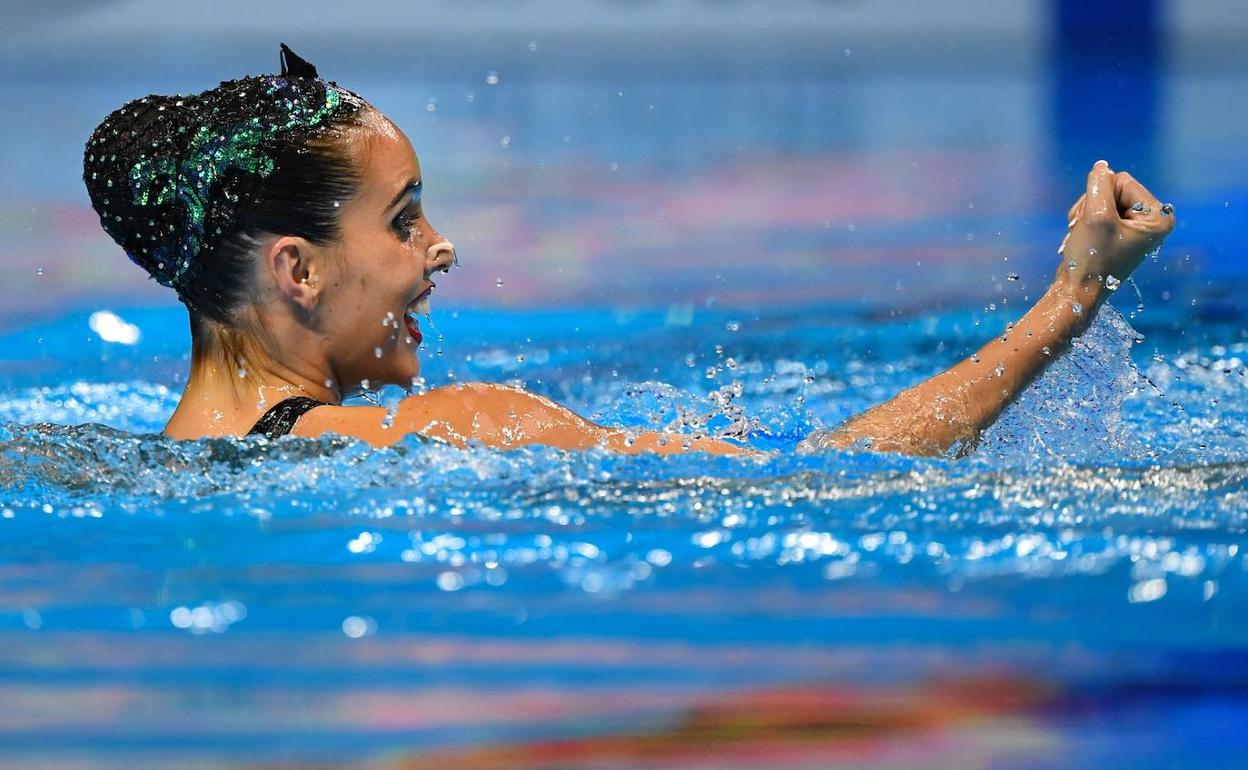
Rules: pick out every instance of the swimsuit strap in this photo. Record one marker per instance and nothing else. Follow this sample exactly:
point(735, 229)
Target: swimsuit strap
point(279, 420)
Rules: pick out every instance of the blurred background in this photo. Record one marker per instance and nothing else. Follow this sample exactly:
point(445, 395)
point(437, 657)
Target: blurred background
point(651, 152)
point(660, 206)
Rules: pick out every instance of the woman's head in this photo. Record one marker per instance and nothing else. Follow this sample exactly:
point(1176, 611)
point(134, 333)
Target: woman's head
point(245, 200)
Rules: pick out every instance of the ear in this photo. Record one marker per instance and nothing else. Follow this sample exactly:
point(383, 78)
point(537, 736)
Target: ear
point(295, 265)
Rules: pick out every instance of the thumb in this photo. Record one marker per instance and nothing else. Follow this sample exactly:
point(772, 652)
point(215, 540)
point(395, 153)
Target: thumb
point(1100, 201)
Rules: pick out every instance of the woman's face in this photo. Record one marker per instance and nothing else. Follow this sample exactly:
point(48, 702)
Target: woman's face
point(378, 274)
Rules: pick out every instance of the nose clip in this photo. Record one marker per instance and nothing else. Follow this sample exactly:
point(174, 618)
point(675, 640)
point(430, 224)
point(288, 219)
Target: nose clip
point(436, 251)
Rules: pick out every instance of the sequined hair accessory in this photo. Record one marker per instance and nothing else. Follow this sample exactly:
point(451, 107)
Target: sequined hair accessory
point(171, 176)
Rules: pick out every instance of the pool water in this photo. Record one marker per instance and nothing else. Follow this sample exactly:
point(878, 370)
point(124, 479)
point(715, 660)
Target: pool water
point(760, 252)
point(1072, 588)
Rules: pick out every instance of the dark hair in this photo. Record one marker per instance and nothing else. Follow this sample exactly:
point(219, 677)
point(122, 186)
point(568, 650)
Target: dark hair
point(186, 185)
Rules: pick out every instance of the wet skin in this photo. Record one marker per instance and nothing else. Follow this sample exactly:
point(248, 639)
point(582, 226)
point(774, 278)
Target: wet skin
point(335, 318)
point(1112, 227)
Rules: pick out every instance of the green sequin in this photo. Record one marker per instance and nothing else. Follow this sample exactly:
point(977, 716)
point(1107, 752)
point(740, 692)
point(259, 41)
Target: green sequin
point(211, 154)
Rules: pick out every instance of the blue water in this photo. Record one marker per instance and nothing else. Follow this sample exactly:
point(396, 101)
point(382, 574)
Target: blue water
point(201, 601)
point(764, 249)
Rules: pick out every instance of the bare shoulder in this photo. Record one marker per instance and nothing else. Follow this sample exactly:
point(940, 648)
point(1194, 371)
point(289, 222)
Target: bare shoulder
point(498, 415)
point(494, 413)
point(444, 413)
point(366, 422)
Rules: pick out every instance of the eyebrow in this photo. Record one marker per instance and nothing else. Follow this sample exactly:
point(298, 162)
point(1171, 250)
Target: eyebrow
point(413, 186)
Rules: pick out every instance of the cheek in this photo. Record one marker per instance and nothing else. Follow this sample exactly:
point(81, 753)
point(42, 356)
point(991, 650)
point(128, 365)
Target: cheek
point(367, 302)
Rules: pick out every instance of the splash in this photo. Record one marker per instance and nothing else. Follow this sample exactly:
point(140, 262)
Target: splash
point(1074, 410)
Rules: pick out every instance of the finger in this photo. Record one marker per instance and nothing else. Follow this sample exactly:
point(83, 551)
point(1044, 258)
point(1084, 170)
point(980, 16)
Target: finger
point(1133, 200)
point(1075, 213)
point(1141, 206)
point(1100, 193)
point(1075, 210)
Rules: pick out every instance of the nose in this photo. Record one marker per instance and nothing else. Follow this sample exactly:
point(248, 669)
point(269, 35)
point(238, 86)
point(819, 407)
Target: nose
point(439, 256)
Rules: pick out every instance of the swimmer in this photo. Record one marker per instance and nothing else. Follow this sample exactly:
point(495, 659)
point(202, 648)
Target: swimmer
point(286, 213)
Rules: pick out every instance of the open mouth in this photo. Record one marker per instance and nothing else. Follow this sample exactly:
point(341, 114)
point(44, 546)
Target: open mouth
point(417, 307)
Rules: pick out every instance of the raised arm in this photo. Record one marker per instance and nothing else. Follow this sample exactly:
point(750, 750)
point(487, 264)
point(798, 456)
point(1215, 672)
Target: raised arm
point(1112, 227)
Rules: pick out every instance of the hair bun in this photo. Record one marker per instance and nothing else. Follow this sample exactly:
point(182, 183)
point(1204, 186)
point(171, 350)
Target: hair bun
point(145, 131)
point(171, 176)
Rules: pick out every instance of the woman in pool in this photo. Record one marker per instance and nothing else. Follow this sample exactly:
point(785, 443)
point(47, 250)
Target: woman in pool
point(286, 213)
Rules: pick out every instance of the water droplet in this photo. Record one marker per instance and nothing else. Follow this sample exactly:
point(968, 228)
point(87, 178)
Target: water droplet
point(336, 204)
point(491, 78)
point(498, 282)
point(975, 357)
point(356, 627)
point(1071, 265)
point(38, 271)
point(377, 352)
point(1076, 308)
point(1112, 283)
point(505, 141)
point(1045, 350)
point(1012, 276)
point(733, 326)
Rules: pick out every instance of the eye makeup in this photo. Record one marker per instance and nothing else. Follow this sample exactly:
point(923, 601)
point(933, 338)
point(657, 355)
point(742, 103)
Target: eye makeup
point(402, 223)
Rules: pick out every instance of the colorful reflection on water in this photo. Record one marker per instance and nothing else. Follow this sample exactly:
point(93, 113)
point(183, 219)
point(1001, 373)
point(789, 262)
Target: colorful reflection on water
point(687, 253)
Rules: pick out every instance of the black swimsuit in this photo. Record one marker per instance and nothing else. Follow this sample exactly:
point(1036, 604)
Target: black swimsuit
point(279, 420)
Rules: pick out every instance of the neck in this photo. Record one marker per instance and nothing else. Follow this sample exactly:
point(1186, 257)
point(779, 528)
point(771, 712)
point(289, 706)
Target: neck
point(235, 379)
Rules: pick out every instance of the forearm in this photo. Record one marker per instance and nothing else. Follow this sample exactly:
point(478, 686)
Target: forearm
point(993, 377)
point(1111, 228)
point(953, 407)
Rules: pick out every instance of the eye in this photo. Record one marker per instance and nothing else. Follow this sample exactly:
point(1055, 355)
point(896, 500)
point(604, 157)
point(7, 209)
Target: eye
point(402, 224)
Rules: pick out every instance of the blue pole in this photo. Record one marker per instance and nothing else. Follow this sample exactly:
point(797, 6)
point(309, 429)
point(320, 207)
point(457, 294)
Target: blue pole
point(1106, 65)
